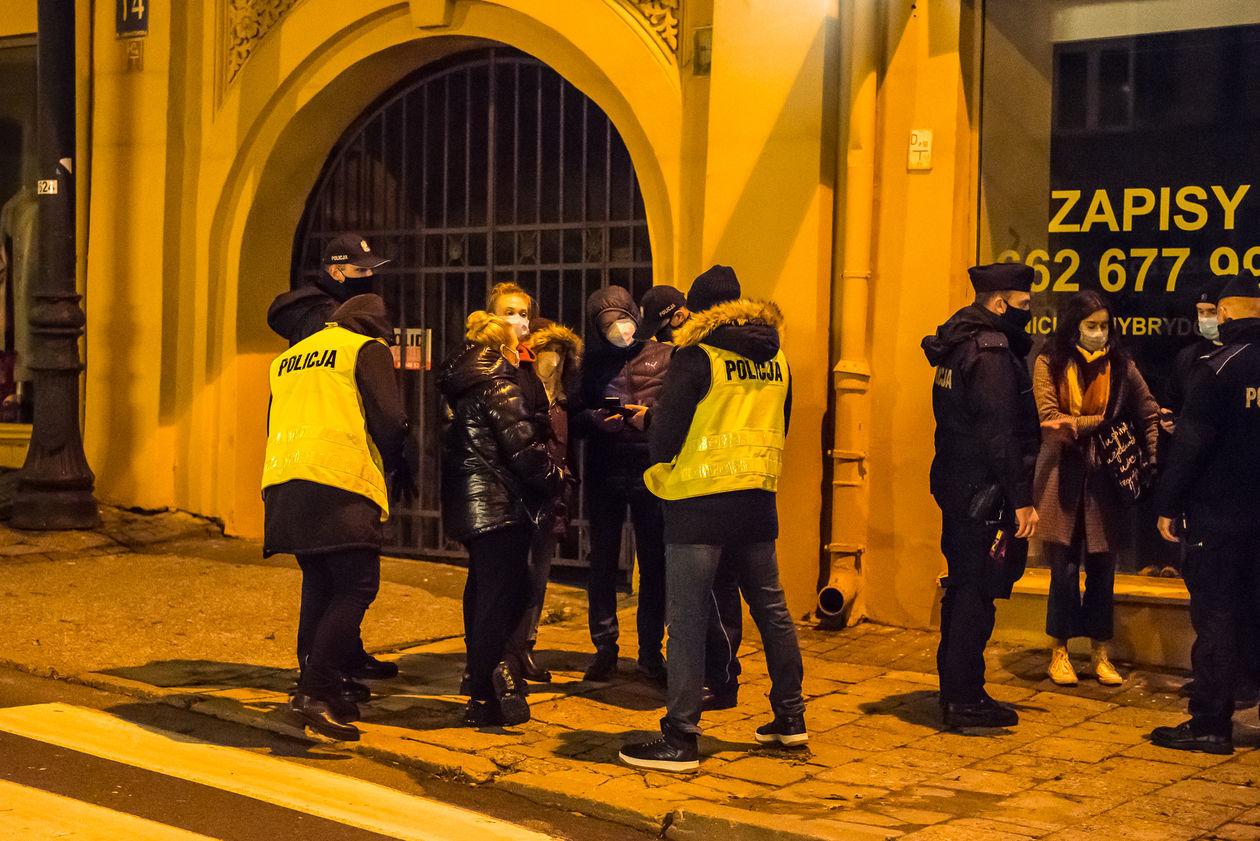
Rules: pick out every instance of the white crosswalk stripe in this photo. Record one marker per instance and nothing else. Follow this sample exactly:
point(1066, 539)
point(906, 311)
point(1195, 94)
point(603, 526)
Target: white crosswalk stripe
point(312, 791)
point(34, 815)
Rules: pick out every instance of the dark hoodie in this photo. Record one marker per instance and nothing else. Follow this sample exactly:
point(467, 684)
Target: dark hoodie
point(304, 311)
point(751, 329)
point(987, 430)
point(496, 471)
point(632, 375)
point(302, 517)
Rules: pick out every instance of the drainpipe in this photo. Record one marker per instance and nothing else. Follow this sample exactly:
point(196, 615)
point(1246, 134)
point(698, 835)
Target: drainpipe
point(839, 599)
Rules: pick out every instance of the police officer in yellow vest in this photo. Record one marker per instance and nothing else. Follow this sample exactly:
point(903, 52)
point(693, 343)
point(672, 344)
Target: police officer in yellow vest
point(717, 436)
point(336, 429)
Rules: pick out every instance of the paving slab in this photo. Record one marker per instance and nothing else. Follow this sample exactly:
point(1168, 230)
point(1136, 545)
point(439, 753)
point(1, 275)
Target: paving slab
point(162, 608)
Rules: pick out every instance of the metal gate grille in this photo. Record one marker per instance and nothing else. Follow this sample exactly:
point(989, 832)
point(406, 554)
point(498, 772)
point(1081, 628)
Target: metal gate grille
point(488, 167)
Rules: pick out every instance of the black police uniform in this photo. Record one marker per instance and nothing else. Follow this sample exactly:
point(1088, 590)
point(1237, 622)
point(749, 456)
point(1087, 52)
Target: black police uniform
point(987, 438)
point(1211, 478)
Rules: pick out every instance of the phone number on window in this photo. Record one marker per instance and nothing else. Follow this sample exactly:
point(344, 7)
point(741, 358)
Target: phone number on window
point(1119, 269)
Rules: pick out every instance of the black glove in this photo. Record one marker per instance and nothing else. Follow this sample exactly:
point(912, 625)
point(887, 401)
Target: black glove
point(404, 485)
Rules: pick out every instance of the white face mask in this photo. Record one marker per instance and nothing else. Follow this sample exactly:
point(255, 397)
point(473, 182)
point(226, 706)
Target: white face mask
point(1093, 339)
point(1210, 328)
point(520, 324)
point(546, 363)
point(621, 332)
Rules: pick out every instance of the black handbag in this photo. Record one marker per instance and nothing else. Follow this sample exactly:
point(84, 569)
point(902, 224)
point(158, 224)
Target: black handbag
point(1121, 457)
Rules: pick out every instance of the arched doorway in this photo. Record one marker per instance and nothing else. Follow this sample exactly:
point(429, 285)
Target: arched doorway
point(486, 167)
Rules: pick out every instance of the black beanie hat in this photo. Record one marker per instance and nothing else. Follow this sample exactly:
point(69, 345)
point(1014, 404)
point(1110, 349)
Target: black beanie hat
point(1001, 277)
point(1240, 286)
point(716, 286)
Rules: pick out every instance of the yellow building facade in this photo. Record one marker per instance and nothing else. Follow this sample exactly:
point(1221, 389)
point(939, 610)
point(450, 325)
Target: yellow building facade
point(829, 150)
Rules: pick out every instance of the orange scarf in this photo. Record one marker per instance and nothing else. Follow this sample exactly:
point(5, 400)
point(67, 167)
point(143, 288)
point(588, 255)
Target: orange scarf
point(1086, 387)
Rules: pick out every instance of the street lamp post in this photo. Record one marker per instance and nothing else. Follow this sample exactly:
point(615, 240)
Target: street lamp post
point(55, 484)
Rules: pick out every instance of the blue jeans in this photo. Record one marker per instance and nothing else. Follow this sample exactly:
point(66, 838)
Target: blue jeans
point(690, 571)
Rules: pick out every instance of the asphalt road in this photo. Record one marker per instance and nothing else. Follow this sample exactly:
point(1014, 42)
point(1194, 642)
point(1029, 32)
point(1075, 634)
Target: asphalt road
point(84, 764)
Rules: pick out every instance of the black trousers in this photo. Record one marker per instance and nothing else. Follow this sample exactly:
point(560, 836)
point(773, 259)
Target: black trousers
point(1068, 613)
point(726, 631)
point(337, 589)
point(967, 611)
point(606, 510)
point(1223, 577)
point(495, 596)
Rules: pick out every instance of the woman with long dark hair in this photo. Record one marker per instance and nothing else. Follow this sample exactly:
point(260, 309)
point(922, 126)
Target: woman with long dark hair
point(1083, 379)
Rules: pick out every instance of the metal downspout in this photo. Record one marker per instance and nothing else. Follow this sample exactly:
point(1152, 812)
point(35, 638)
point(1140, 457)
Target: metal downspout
point(840, 599)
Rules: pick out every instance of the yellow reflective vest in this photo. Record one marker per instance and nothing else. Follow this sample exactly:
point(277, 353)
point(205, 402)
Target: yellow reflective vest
point(316, 427)
point(737, 434)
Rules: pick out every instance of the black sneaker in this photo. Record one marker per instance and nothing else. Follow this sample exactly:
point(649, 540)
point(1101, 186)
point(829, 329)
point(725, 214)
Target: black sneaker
point(1182, 737)
point(604, 666)
point(662, 755)
point(372, 669)
point(984, 713)
point(786, 730)
point(719, 699)
point(513, 708)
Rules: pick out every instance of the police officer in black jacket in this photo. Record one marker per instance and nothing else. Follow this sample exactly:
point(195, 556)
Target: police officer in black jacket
point(987, 437)
point(1211, 480)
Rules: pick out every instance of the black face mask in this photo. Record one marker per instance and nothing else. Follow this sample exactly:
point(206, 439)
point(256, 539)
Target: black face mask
point(357, 286)
point(344, 290)
point(1016, 318)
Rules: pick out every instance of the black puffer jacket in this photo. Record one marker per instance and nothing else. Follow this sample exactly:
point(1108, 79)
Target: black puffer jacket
point(633, 375)
point(495, 466)
point(302, 517)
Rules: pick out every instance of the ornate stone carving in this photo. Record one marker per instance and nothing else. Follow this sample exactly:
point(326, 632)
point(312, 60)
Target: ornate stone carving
point(248, 21)
point(662, 19)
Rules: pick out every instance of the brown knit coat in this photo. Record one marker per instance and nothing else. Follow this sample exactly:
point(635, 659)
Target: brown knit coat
point(1069, 476)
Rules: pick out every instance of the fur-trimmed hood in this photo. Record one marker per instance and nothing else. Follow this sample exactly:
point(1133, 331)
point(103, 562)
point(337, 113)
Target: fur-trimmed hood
point(747, 326)
point(557, 337)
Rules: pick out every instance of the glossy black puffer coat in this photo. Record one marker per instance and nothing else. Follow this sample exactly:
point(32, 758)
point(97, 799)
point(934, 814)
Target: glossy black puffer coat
point(495, 465)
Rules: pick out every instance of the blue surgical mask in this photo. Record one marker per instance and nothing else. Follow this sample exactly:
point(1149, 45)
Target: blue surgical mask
point(1210, 328)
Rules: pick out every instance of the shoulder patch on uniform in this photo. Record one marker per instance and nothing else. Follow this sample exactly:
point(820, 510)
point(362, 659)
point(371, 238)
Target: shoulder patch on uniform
point(992, 340)
point(1219, 358)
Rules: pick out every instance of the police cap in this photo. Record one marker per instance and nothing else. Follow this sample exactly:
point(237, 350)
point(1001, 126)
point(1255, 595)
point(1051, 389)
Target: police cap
point(1001, 277)
point(1240, 286)
point(351, 249)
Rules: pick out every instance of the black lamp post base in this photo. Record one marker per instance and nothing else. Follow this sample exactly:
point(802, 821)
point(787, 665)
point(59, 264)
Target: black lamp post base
point(58, 510)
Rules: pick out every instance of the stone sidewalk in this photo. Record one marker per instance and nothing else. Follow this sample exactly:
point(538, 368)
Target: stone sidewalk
point(878, 765)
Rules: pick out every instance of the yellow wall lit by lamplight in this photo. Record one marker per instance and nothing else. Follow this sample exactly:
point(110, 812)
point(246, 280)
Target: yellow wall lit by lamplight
point(198, 181)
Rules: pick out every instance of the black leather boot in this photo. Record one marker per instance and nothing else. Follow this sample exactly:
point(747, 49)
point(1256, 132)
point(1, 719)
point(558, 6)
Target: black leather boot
point(321, 717)
point(530, 670)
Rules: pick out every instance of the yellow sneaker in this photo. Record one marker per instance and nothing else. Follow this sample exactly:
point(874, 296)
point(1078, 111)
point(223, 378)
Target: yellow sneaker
point(1100, 665)
point(1061, 671)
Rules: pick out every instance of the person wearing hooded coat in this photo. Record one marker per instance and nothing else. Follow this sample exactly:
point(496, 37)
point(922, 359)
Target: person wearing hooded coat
point(620, 369)
point(987, 440)
point(717, 439)
point(497, 481)
point(557, 352)
point(336, 428)
point(348, 266)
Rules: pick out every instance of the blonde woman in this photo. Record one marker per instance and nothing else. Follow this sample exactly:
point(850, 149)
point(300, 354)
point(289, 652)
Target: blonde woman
point(497, 478)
